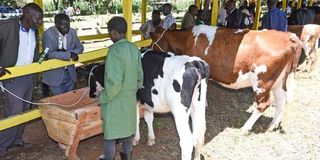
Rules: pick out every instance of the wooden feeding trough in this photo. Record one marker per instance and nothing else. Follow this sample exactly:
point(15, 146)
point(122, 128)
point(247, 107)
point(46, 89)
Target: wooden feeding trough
point(69, 125)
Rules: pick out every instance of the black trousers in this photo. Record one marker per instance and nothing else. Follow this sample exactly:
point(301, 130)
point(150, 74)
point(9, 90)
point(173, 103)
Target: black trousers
point(22, 87)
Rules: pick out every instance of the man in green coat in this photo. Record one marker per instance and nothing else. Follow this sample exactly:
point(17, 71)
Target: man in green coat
point(123, 77)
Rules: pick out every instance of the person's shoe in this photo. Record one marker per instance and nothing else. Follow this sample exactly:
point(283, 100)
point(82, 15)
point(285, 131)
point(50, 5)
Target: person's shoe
point(101, 157)
point(22, 145)
point(125, 156)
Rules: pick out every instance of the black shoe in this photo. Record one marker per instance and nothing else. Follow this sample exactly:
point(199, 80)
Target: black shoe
point(22, 145)
point(125, 156)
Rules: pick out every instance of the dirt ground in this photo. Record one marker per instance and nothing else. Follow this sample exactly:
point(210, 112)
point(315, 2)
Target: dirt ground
point(227, 112)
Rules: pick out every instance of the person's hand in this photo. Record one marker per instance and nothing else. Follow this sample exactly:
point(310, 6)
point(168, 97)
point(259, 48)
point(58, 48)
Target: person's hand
point(74, 56)
point(3, 71)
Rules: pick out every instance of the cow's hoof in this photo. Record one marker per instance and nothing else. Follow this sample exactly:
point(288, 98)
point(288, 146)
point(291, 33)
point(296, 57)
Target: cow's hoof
point(244, 131)
point(272, 128)
point(135, 142)
point(151, 142)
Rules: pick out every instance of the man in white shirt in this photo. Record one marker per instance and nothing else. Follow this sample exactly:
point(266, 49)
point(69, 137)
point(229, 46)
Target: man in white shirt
point(169, 21)
point(18, 48)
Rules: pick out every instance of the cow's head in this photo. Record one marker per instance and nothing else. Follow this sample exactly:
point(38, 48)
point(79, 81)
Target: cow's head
point(158, 39)
point(96, 80)
point(94, 73)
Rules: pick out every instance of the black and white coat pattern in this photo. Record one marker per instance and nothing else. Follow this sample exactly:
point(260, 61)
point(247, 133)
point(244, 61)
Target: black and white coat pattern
point(176, 84)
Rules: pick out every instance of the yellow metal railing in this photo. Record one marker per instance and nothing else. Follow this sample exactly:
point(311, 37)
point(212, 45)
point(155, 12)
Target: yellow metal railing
point(44, 66)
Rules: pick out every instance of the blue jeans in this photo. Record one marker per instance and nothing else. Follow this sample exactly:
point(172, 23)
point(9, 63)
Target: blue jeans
point(66, 85)
point(109, 147)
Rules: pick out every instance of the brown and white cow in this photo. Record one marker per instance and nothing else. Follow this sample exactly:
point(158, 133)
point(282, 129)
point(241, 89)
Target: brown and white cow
point(241, 58)
point(309, 35)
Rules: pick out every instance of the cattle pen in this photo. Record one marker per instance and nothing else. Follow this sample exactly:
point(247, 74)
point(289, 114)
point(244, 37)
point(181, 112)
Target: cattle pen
point(98, 55)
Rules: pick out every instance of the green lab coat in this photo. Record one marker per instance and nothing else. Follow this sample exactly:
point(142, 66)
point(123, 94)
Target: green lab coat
point(123, 76)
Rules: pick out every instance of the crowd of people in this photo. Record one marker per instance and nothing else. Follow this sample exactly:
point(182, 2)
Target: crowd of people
point(21, 48)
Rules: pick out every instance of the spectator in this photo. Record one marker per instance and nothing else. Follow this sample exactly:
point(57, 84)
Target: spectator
point(188, 19)
point(19, 46)
point(235, 17)
point(78, 11)
point(201, 17)
point(169, 22)
point(222, 14)
point(275, 18)
point(63, 44)
point(150, 25)
point(123, 77)
point(70, 11)
point(304, 15)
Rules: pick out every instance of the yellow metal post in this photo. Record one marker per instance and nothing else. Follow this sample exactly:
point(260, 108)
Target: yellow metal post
point(127, 14)
point(311, 3)
point(299, 4)
point(284, 5)
point(143, 14)
point(198, 3)
point(214, 14)
point(41, 29)
point(257, 17)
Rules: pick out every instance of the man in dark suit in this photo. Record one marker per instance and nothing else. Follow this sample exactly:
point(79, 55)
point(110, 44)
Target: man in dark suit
point(63, 44)
point(18, 47)
point(235, 17)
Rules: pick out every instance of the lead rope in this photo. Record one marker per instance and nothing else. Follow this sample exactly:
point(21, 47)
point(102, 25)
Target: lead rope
point(57, 104)
point(156, 43)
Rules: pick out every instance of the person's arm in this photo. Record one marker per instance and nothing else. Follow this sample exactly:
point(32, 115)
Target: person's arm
point(78, 48)
point(143, 29)
point(113, 77)
point(54, 54)
point(140, 71)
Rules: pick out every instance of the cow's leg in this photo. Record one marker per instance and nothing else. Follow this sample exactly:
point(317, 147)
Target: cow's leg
point(148, 117)
point(250, 122)
point(199, 119)
point(136, 138)
point(280, 98)
point(181, 119)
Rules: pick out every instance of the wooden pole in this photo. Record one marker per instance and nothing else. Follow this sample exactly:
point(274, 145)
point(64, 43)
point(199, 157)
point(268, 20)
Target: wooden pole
point(127, 14)
point(257, 17)
point(214, 14)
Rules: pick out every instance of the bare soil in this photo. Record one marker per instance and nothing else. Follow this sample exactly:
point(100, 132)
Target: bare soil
point(227, 112)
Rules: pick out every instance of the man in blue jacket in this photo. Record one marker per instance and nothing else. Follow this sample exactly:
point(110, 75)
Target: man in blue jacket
point(275, 18)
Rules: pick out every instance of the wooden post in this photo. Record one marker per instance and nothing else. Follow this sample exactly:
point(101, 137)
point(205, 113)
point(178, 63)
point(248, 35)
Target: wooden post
point(41, 29)
point(214, 14)
point(284, 5)
point(127, 14)
point(257, 17)
point(143, 14)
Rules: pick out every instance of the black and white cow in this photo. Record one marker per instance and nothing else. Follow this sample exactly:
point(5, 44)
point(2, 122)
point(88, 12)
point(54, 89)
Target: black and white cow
point(172, 83)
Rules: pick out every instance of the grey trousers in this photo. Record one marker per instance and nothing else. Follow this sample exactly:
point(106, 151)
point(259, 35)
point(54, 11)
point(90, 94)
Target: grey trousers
point(109, 147)
point(22, 87)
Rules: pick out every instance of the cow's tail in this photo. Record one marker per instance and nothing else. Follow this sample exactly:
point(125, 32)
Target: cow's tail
point(199, 102)
point(296, 48)
point(291, 82)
